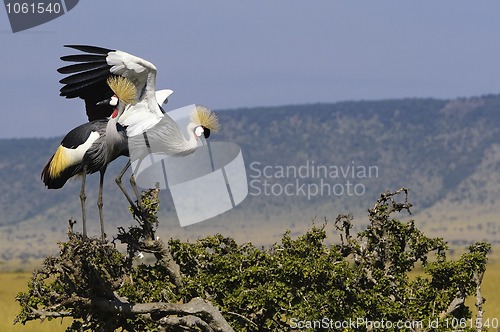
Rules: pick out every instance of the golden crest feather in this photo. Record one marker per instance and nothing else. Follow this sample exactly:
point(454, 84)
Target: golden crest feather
point(206, 118)
point(123, 88)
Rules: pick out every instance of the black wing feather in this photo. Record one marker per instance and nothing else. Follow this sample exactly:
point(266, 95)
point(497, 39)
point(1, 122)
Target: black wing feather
point(83, 58)
point(97, 111)
point(90, 49)
point(80, 67)
point(92, 94)
point(88, 79)
point(79, 135)
point(85, 76)
point(81, 89)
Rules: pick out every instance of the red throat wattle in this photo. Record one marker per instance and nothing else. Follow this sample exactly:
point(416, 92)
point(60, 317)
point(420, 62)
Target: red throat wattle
point(115, 114)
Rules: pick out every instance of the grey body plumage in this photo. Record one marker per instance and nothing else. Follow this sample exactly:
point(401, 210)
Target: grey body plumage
point(90, 147)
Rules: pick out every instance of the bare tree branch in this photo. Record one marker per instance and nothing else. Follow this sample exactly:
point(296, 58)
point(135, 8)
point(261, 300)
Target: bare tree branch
point(454, 305)
point(478, 279)
point(202, 309)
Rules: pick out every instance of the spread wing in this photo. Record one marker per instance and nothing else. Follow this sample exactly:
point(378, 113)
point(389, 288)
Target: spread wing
point(90, 69)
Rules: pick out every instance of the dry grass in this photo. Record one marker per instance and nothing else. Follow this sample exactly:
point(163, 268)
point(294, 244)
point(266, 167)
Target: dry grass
point(10, 285)
point(489, 290)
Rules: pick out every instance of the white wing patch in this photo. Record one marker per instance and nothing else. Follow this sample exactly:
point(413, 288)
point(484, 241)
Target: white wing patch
point(136, 123)
point(66, 157)
point(139, 117)
point(141, 72)
point(162, 96)
point(128, 65)
point(75, 156)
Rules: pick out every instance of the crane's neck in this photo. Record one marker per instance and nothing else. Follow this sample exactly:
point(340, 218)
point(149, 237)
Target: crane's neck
point(192, 137)
point(113, 137)
point(111, 128)
point(166, 138)
point(188, 146)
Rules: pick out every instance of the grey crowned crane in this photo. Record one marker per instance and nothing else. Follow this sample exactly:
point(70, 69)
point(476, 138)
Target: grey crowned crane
point(86, 81)
point(90, 147)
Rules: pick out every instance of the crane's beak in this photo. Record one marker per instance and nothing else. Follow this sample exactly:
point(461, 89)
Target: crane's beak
point(104, 102)
point(113, 101)
point(109, 102)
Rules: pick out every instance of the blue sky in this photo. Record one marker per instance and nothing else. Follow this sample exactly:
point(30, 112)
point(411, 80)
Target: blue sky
point(231, 54)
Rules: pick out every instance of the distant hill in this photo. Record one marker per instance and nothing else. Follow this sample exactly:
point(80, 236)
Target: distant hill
point(343, 155)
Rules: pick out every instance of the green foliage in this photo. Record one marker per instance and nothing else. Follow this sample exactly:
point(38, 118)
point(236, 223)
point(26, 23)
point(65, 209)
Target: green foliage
point(304, 279)
point(263, 288)
point(365, 276)
point(69, 282)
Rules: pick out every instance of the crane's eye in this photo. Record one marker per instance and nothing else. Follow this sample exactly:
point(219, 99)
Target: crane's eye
point(198, 131)
point(113, 101)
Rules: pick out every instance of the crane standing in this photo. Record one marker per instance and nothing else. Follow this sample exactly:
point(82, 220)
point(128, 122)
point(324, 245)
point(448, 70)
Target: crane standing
point(90, 147)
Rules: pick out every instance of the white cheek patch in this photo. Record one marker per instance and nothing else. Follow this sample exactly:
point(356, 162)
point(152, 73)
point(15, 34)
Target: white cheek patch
point(114, 101)
point(198, 131)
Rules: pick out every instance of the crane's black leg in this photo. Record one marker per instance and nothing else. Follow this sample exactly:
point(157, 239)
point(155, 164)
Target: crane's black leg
point(82, 200)
point(99, 202)
point(119, 182)
point(122, 188)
